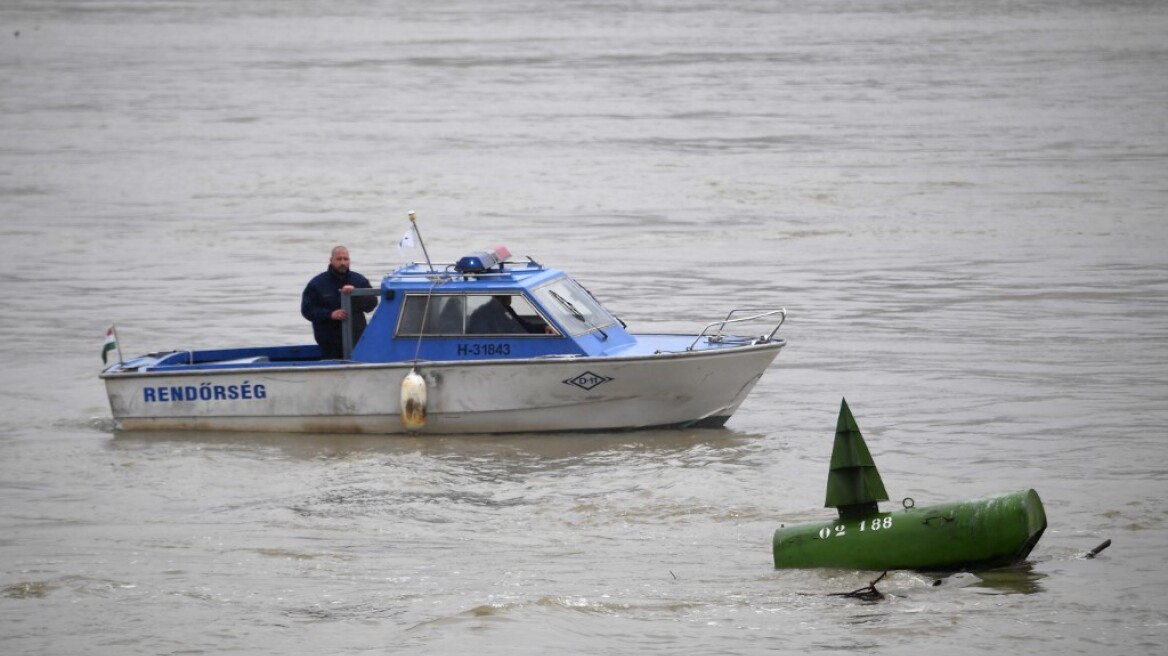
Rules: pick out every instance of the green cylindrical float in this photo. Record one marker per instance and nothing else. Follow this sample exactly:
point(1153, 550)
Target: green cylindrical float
point(974, 534)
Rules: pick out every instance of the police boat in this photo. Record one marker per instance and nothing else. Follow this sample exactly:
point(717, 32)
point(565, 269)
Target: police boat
point(480, 345)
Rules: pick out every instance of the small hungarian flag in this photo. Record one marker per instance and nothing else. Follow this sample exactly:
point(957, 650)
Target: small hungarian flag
point(111, 343)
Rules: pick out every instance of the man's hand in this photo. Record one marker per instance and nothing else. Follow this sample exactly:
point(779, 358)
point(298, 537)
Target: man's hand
point(338, 314)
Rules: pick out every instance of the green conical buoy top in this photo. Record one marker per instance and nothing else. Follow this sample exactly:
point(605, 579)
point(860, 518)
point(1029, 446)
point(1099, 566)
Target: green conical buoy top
point(853, 484)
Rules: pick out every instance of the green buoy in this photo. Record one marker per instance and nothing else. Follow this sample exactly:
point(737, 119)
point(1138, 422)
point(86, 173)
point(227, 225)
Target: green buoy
point(973, 534)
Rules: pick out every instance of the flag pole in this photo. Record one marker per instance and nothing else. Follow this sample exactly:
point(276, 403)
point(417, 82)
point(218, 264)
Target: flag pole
point(112, 333)
point(414, 225)
point(118, 343)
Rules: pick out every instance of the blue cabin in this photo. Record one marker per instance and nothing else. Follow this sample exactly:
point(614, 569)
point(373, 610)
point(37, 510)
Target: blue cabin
point(484, 307)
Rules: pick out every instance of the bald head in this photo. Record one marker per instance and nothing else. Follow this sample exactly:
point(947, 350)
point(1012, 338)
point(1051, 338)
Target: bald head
point(339, 259)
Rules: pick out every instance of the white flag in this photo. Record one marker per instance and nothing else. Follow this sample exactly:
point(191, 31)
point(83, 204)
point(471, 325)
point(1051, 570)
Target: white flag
point(406, 242)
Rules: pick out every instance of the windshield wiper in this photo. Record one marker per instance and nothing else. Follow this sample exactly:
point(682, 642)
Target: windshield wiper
point(568, 306)
point(579, 316)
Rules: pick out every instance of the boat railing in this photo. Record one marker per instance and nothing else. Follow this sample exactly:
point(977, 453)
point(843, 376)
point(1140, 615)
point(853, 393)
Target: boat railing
point(447, 270)
point(347, 324)
point(718, 336)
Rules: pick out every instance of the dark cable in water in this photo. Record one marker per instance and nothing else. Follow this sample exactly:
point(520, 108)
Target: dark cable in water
point(867, 593)
point(1095, 552)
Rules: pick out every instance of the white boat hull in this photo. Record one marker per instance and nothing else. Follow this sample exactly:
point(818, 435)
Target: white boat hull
point(702, 387)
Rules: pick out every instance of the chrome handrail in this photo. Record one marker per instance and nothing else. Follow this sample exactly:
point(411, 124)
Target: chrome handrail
point(762, 314)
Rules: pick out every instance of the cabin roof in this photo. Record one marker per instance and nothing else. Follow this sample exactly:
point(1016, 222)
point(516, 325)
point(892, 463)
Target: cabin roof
point(509, 275)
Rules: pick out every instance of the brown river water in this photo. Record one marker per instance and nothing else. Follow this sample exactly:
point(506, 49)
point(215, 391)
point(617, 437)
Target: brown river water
point(961, 205)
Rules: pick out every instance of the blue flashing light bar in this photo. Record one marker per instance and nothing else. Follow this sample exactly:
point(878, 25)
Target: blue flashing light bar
point(482, 261)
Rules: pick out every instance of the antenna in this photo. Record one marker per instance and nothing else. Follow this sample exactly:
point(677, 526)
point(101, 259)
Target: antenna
point(414, 225)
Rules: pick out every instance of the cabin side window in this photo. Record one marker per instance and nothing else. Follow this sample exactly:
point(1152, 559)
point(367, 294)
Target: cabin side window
point(450, 315)
point(504, 314)
point(432, 314)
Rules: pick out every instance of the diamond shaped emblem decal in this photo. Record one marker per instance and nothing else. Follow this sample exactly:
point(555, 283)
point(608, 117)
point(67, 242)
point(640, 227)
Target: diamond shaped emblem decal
point(588, 380)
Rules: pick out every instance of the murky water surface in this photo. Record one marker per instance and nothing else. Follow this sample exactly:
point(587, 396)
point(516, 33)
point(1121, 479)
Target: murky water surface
point(962, 206)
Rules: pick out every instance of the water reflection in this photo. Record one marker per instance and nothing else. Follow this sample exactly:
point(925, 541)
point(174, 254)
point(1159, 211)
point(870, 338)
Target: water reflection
point(1017, 579)
point(548, 448)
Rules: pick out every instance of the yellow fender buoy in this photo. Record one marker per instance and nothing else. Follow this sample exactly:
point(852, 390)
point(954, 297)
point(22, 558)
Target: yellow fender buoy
point(413, 401)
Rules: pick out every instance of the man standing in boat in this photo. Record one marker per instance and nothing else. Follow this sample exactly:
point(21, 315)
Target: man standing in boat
point(321, 303)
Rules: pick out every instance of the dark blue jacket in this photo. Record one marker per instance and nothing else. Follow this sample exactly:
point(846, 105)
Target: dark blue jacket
point(322, 296)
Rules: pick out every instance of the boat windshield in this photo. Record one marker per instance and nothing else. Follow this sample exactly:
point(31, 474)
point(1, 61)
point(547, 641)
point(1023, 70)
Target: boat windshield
point(573, 307)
